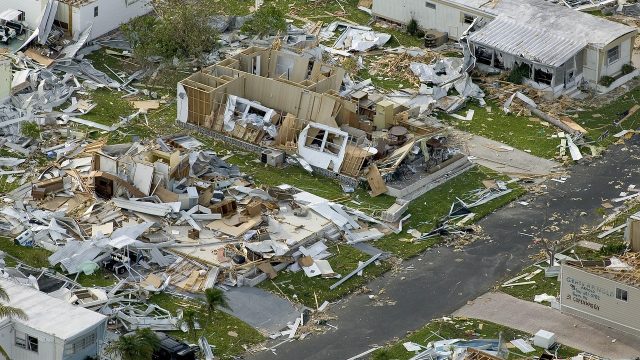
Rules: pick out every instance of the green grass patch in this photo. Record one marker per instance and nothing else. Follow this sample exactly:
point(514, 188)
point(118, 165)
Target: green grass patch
point(216, 327)
point(427, 210)
point(109, 107)
point(32, 256)
point(100, 278)
point(461, 328)
point(520, 132)
point(599, 120)
point(300, 288)
point(543, 285)
point(6, 186)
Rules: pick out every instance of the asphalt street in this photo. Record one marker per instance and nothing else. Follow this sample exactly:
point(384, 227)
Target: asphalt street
point(440, 281)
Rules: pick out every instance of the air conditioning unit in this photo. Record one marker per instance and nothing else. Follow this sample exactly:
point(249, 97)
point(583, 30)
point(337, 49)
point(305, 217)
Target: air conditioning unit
point(272, 157)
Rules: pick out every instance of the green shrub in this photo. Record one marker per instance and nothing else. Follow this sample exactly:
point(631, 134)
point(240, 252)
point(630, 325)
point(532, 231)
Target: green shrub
point(180, 29)
point(627, 69)
point(519, 73)
point(268, 20)
point(613, 249)
point(606, 81)
point(412, 27)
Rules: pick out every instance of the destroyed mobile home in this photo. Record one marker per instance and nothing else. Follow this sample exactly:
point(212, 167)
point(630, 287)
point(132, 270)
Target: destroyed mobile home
point(284, 105)
point(166, 215)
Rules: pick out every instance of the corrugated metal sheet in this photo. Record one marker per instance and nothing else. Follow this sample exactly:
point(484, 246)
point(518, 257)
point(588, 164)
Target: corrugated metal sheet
point(534, 44)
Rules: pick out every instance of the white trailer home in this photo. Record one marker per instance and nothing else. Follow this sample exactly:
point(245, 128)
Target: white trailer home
point(75, 16)
point(603, 292)
point(54, 330)
point(555, 47)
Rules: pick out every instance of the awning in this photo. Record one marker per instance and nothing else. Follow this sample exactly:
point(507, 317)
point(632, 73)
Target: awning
point(533, 44)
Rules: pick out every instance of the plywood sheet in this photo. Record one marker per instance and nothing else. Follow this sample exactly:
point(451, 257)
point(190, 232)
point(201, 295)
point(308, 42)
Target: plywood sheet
point(376, 182)
point(235, 231)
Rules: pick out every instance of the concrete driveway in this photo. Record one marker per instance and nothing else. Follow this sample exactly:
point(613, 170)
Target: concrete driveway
point(530, 317)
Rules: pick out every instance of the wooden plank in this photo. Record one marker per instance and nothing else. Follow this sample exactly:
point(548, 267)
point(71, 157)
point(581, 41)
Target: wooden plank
point(632, 111)
point(376, 182)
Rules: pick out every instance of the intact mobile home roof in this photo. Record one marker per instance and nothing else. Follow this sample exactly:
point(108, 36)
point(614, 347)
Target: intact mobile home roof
point(534, 44)
point(48, 314)
point(555, 19)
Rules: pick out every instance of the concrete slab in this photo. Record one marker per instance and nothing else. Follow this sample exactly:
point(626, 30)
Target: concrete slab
point(261, 309)
point(492, 154)
point(528, 316)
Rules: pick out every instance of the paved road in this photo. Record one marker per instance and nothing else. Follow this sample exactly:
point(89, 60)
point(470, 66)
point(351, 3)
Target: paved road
point(444, 281)
point(571, 331)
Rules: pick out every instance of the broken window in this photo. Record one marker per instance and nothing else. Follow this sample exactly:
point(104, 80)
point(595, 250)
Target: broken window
point(468, 19)
point(430, 5)
point(26, 342)
point(542, 76)
point(498, 60)
point(622, 294)
point(613, 55)
point(484, 55)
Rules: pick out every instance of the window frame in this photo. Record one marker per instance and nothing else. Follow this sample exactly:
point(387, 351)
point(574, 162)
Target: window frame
point(622, 295)
point(430, 5)
point(26, 341)
point(81, 343)
point(468, 18)
point(616, 50)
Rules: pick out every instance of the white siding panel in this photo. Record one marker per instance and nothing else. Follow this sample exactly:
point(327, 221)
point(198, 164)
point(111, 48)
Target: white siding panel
point(593, 297)
point(445, 18)
point(111, 14)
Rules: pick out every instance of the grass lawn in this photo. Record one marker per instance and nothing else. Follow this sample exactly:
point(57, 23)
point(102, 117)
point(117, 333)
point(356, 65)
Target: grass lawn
point(599, 120)
point(429, 208)
point(543, 285)
point(227, 333)
point(33, 256)
point(460, 328)
point(298, 287)
point(520, 132)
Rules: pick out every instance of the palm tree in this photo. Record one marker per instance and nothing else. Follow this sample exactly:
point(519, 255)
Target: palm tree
point(138, 345)
point(10, 312)
point(214, 298)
